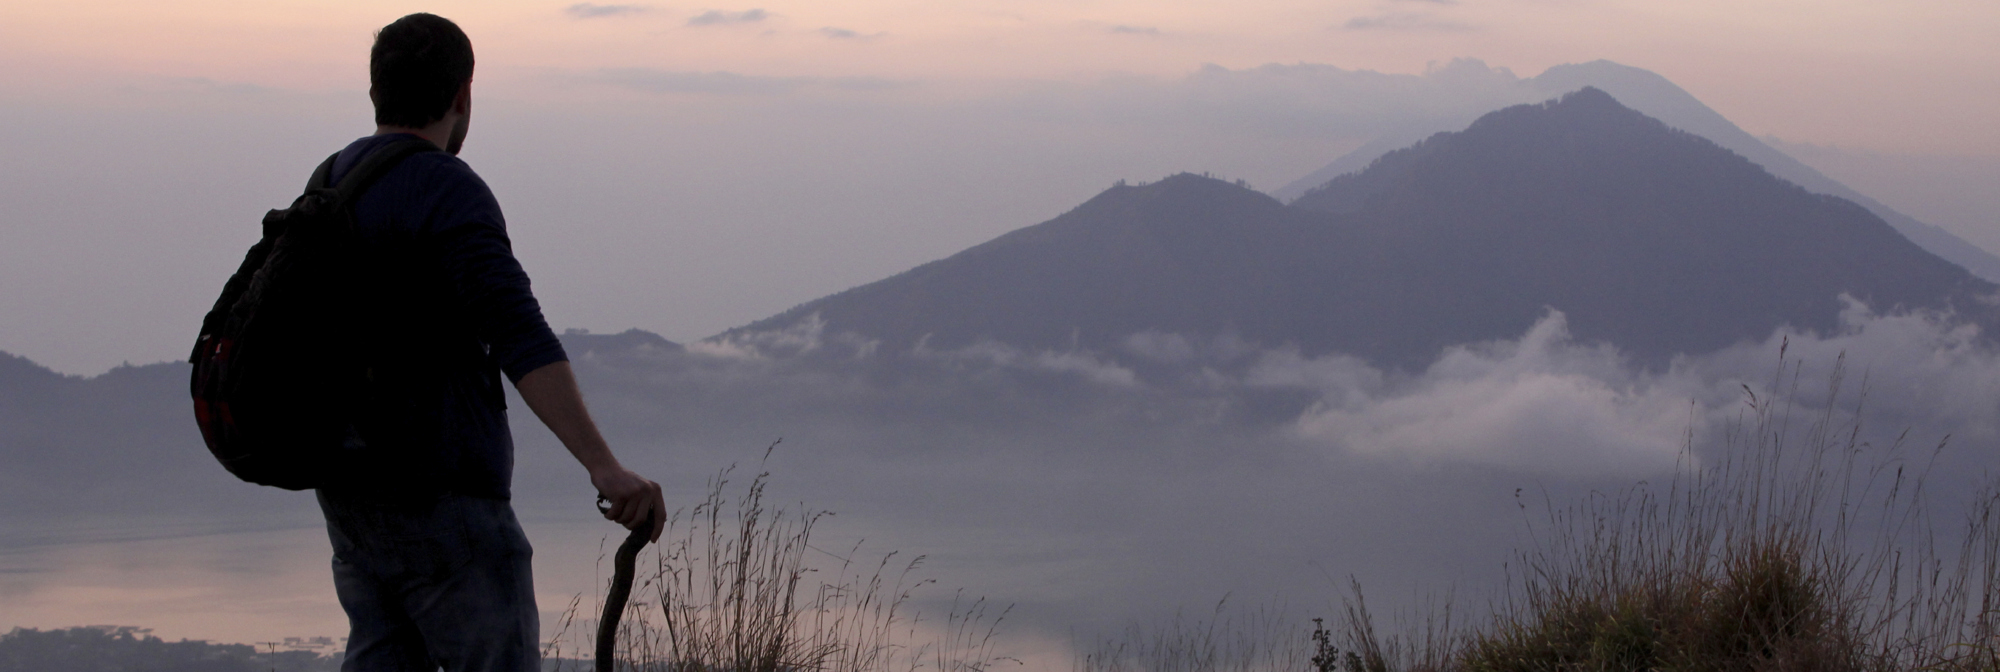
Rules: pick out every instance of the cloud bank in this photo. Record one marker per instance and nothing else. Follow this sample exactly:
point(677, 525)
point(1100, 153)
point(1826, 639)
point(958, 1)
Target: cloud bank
point(1542, 404)
point(1404, 21)
point(716, 17)
point(585, 10)
point(723, 83)
point(848, 34)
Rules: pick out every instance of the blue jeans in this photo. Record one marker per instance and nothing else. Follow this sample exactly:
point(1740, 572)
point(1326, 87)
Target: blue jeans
point(432, 582)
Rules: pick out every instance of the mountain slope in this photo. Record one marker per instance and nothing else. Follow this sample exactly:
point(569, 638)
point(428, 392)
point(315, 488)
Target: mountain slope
point(1653, 239)
point(74, 445)
point(1647, 237)
point(1187, 254)
point(1655, 96)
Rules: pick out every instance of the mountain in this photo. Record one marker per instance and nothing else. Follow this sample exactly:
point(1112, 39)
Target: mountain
point(117, 441)
point(1656, 96)
point(581, 344)
point(1653, 239)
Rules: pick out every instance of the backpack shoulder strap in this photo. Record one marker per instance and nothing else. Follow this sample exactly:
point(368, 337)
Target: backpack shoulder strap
point(373, 166)
point(323, 174)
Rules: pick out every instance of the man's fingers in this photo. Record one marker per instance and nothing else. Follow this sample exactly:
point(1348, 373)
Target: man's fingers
point(636, 503)
point(659, 507)
point(634, 514)
point(617, 511)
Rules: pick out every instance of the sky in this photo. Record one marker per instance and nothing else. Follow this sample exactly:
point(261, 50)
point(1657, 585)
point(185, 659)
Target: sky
point(686, 168)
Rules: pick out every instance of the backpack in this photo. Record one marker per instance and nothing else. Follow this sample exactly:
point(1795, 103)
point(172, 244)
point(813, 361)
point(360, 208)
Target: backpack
point(278, 370)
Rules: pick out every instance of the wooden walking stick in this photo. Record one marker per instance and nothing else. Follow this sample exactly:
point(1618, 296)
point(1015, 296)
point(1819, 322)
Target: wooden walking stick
point(621, 588)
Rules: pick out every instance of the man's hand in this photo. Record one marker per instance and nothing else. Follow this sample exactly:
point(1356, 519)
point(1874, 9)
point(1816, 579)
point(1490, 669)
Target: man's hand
point(552, 393)
point(635, 501)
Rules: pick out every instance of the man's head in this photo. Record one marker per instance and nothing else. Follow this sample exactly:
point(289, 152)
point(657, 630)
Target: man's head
point(420, 71)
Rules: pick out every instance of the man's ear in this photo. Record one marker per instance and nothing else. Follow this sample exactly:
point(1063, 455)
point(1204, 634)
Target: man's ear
point(372, 98)
point(462, 103)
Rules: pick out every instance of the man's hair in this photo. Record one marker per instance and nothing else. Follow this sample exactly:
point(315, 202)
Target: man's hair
point(416, 69)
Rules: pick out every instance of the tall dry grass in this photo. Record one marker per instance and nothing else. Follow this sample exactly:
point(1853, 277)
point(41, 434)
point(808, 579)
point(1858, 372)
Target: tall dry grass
point(1265, 638)
point(1798, 546)
point(738, 586)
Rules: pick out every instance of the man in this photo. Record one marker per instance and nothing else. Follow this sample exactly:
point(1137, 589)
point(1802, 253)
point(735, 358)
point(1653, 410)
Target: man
point(429, 561)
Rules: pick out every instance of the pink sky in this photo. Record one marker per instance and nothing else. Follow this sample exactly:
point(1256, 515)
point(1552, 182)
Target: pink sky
point(1902, 77)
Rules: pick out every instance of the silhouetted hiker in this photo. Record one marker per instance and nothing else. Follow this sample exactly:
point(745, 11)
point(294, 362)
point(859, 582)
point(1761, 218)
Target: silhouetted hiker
point(429, 561)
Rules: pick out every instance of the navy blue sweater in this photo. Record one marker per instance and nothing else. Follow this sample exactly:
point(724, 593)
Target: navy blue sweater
point(455, 311)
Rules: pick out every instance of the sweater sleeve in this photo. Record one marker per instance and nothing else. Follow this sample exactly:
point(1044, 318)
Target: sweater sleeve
point(487, 282)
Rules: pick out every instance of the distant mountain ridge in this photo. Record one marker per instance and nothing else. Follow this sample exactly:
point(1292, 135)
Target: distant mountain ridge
point(579, 343)
point(77, 444)
point(1654, 95)
point(72, 443)
point(1650, 238)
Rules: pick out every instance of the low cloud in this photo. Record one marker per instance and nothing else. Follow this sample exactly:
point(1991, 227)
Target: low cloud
point(1085, 365)
point(718, 83)
point(585, 10)
point(1405, 21)
point(193, 85)
point(804, 337)
point(722, 83)
point(716, 17)
point(1122, 29)
point(1547, 404)
point(868, 83)
point(846, 34)
point(1543, 404)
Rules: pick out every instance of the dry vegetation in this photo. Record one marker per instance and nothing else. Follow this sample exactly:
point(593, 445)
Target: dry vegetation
point(1796, 547)
point(733, 591)
point(1263, 639)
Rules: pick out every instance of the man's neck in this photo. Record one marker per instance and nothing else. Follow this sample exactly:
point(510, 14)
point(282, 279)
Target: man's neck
point(439, 133)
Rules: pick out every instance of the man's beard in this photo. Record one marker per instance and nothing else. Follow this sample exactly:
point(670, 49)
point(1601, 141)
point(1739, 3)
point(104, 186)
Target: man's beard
point(458, 134)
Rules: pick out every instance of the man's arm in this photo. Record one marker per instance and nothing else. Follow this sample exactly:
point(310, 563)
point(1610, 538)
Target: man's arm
point(552, 393)
point(490, 287)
